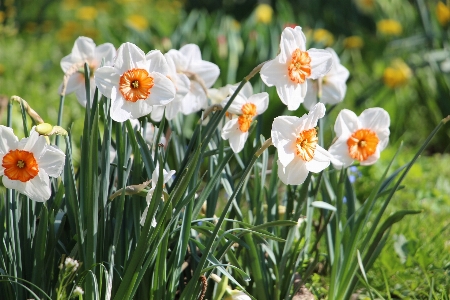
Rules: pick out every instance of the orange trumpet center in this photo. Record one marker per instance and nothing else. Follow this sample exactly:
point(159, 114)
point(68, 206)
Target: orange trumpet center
point(20, 165)
point(306, 144)
point(135, 84)
point(362, 144)
point(245, 120)
point(300, 67)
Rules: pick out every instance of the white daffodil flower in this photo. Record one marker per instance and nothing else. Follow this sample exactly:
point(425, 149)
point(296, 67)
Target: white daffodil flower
point(135, 82)
point(360, 138)
point(246, 107)
point(28, 163)
point(155, 175)
point(297, 144)
point(85, 51)
point(182, 85)
point(293, 66)
point(333, 85)
point(217, 96)
point(202, 75)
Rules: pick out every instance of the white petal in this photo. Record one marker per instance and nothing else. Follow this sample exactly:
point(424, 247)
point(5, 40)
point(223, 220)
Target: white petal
point(191, 52)
point(106, 52)
point(37, 189)
point(105, 79)
point(236, 105)
point(180, 61)
point(273, 73)
point(284, 136)
point(236, 137)
point(317, 112)
point(321, 62)
point(207, 71)
point(157, 112)
point(261, 101)
point(8, 140)
point(158, 62)
point(320, 161)
point(52, 161)
point(292, 94)
point(117, 112)
point(163, 90)
point(346, 123)
point(128, 55)
point(339, 150)
point(75, 82)
point(294, 173)
point(375, 119)
point(35, 144)
point(83, 49)
point(311, 94)
point(291, 39)
point(174, 107)
point(195, 100)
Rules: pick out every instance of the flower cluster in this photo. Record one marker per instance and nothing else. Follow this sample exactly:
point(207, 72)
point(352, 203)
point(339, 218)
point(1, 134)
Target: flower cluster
point(179, 81)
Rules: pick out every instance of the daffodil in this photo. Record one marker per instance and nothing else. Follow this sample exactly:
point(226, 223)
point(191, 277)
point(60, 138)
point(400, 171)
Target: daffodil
point(27, 164)
point(135, 82)
point(333, 85)
point(442, 13)
point(246, 107)
point(155, 175)
point(297, 144)
point(293, 66)
point(389, 27)
point(182, 85)
point(397, 74)
point(360, 138)
point(85, 51)
point(202, 75)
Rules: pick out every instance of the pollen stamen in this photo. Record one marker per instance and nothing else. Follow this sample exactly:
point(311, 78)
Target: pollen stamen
point(135, 84)
point(245, 120)
point(306, 144)
point(362, 144)
point(300, 67)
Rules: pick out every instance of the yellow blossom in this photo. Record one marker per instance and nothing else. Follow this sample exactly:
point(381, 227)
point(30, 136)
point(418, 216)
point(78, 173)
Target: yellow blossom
point(389, 27)
point(397, 74)
point(323, 36)
point(365, 6)
point(138, 22)
point(87, 13)
point(2, 16)
point(353, 42)
point(68, 31)
point(442, 13)
point(263, 13)
point(2, 69)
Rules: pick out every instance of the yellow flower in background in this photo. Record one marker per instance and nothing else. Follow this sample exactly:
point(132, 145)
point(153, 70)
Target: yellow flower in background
point(442, 13)
point(353, 42)
point(389, 27)
point(138, 22)
point(2, 69)
point(70, 4)
point(68, 31)
point(365, 6)
point(323, 36)
point(263, 13)
point(2, 16)
point(87, 13)
point(397, 74)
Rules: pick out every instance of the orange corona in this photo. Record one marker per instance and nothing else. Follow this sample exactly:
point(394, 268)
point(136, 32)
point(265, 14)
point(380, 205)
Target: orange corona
point(362, 144)
point(306, 144)
point(135, 84)
point(20, 165)
point(245, 120)
point(300, 67)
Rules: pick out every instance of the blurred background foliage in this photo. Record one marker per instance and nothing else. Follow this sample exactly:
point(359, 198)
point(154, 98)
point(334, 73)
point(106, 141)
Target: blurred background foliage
point(397, 52)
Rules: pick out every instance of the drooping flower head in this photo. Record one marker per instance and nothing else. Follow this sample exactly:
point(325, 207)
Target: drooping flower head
point(155, 175)
point(290, 69)
point(135, 82)
point(333, 85)
point(360, 138)
point(85, 51)
point(27, 164)
point(202, 75)
point(246, 107)
point(297, 144)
